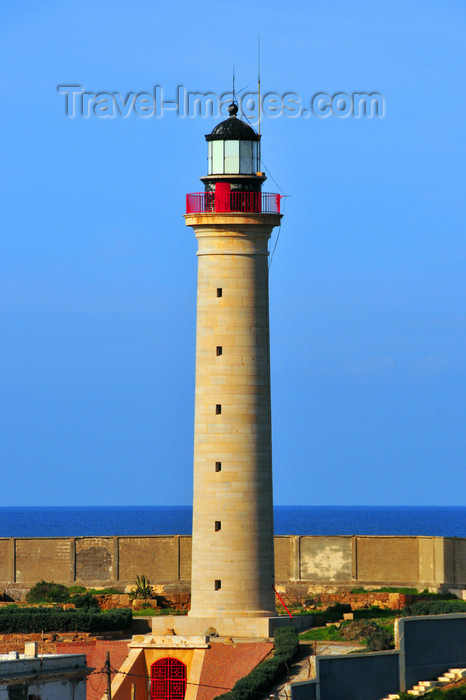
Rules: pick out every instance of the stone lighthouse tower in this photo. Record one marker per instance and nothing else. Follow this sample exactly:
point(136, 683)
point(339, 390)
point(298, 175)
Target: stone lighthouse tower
point(232, 545)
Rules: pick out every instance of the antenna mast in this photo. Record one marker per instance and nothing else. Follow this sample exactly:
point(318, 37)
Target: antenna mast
point(259, 80)
point(234, 96)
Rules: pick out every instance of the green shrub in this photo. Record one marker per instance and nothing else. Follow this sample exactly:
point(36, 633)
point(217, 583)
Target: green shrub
point(357, 631)
point(379, 639)
point(143, 588)
point(269, 671)
point(30, 620)
point(331, 614)
point(375, 637)
point(84, 600)
point(437, 596)
point(434, 607)
point(48, 592)
point(286, 643)
point(336, 611)
point(373, 611)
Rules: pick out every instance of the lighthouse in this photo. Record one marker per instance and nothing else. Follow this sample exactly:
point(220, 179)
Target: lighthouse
point(232, 544)
point(232, 582)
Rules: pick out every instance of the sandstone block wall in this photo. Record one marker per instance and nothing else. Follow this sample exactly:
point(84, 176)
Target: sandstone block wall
point(32, 558)
point(232, 547)
point(319, 563)
point(374, 554)
point(326, 559)
point(157, 558)
point(459, 557)
point(93, 558)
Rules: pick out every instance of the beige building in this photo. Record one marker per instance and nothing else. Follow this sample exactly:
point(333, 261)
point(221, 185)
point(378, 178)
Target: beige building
point(44, 677)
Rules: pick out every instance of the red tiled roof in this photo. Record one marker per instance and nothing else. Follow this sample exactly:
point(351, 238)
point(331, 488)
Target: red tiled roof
point(96, 651)
point(224, 664)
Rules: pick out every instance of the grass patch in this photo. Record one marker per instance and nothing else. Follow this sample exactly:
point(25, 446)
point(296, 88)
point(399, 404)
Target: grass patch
point(407, 591)
point(387, 589)
point(322, 634)
point(295, 611)
point(374, 636)
point(146, 612)
point(374, 612)
point(169, 611)
point(154, 612)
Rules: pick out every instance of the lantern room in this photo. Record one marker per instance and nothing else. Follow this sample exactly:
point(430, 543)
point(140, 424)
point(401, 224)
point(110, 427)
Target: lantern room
point(234, 181)
point(233, 147)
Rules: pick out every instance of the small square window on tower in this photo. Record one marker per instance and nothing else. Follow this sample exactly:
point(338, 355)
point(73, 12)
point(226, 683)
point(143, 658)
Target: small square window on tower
point(218, 525)
point(219, 350)
point(218, 466)
point(218, 584)
point(219, 291)
point(218, 409)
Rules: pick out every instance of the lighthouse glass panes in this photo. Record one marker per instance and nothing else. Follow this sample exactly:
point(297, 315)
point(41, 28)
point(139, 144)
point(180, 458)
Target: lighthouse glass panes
point(233, 157)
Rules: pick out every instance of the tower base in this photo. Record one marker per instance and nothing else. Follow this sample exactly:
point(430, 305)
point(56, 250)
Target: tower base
point(248, 627)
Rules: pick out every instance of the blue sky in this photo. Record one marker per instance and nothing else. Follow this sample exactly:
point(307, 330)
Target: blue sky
point(98, 271)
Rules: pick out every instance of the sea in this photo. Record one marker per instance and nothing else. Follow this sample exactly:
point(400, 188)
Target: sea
point(76, 521)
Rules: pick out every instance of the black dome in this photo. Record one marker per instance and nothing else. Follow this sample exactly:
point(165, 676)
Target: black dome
point(232, 129)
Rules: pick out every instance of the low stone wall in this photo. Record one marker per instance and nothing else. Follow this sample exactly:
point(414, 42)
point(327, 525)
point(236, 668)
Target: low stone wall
point(304, 565)
point(358, 601)
point(46, 643)
point(428, 646)
point(113, 601)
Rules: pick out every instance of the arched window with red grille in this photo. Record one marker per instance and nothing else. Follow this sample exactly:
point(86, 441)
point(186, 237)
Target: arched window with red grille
point(168, 679)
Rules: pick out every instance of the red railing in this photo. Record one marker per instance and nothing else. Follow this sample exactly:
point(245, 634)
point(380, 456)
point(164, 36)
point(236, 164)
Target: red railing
point(220, 202)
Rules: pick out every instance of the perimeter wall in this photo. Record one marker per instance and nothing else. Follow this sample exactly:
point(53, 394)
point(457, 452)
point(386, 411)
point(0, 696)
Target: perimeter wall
point(305, 562)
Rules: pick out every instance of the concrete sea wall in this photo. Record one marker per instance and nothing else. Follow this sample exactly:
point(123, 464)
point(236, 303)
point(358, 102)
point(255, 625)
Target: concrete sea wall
point(302, 563)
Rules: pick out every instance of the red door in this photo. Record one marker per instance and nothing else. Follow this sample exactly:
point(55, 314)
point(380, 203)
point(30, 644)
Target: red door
point(168, 679)
point(222, 196)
